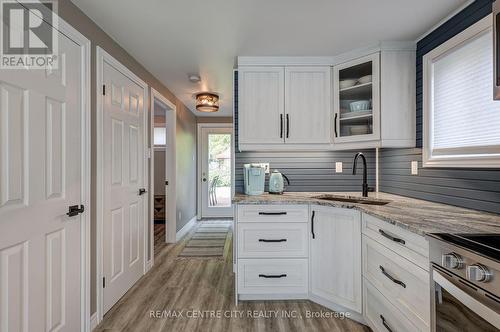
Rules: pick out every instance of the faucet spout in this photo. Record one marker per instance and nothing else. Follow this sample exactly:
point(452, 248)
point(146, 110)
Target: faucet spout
point(365, 172)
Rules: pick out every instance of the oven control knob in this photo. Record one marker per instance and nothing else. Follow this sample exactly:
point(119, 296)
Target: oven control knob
point(478, 273)
point(452, 261)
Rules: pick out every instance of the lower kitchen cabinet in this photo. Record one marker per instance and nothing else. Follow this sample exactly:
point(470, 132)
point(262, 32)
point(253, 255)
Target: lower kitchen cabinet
point(335, 257)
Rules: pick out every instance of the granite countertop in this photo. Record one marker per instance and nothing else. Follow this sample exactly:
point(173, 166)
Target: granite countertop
point(418, 216)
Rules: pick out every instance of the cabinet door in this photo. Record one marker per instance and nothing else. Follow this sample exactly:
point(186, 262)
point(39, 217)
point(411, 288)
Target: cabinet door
point(356, 95)
point(308, 105)
point(261, 105)
point(335, 256)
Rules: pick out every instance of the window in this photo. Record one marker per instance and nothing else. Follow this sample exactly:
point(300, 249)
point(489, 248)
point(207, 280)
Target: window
point(461, 119)
point(160, 136)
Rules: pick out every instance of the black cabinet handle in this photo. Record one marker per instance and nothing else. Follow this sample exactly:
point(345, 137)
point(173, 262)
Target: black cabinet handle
point(312, 224)
point(272, 213)
point(74, 210)
point(335, 125)
point(391, 278)
point(287, 126)
point(272, 276)
point(265, 240)
point(142, 191)
point(385, 324)
point(281, 125)
point(390, 237)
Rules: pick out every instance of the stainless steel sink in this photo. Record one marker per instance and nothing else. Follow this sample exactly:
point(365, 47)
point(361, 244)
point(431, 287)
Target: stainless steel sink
point(353, 199)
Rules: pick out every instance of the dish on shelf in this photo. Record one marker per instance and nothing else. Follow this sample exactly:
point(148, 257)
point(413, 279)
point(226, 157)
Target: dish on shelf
point(361, 105)
point(347, 83)
point(359, 129)
point(347, 115)
point(365, 79)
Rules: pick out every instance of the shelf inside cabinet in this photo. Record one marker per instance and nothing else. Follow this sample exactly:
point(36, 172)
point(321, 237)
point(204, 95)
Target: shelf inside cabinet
point(357, 91)
point(354, 117)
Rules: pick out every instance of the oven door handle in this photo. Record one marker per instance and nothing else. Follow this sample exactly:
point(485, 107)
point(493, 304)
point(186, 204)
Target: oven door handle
point(473, 304)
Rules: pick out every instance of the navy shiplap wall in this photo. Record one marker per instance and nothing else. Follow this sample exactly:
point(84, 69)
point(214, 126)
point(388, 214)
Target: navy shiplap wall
point(472, 188)
point(307, 171)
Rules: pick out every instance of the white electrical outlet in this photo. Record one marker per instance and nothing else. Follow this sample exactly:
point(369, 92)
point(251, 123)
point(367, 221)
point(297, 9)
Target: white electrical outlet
point(338, 167)
point(266, 166)
point(414, 167)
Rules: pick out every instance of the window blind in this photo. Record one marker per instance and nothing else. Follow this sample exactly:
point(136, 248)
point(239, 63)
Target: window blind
point(464, 114)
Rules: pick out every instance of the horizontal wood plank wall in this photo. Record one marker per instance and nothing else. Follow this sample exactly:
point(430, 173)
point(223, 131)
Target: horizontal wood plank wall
point(471, 188)
point(307, 171)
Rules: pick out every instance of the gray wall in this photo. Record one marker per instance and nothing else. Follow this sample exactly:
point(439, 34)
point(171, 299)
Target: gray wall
point(471, 188)
point(186, 122)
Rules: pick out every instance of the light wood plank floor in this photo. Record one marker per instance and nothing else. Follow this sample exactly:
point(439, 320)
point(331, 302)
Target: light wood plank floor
point(206, 284)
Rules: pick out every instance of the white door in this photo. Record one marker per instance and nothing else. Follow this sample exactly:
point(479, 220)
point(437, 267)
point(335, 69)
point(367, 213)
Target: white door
point(216, 177)
point(42, 174)
point(308, 105)
point(124, 198)
point(261, 105)
point(335, 262)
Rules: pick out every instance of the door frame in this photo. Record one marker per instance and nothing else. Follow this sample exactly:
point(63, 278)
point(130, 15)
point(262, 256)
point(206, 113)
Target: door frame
point(84, 43)
point(170, 174)
point(101, 57)
point(199, 161)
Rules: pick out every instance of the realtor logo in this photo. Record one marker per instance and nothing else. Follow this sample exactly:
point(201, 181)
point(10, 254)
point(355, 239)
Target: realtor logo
point(29, 34)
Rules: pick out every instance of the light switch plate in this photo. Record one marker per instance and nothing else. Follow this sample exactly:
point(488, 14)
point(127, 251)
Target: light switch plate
point(338, 167)
point(266, 165)
point(414, 167)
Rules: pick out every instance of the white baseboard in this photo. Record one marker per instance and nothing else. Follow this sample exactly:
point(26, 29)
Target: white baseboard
point(271, 297)
point(149, 265)
point(185, 229)
point(94, 321)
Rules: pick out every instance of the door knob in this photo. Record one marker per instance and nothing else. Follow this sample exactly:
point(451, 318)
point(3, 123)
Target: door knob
point(204, 179)
point(142, 191)
point(73, 210)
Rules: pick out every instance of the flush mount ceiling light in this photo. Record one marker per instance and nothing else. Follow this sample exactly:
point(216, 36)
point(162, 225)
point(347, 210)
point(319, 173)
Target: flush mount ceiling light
point(207, 102)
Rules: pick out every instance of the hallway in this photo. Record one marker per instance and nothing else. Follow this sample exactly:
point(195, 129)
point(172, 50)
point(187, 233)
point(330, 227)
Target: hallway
point(180, 285)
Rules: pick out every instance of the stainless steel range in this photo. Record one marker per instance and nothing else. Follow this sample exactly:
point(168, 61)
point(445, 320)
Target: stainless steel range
point(465, 282)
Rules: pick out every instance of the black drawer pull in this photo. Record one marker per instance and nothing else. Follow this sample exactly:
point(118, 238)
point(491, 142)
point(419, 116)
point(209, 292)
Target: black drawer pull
point(74, 210)
point(391, 278)
point(272, 276)
point(385, 324)
point(272, 213)
point(264, 240)
point(312, 225)
point(390, 237)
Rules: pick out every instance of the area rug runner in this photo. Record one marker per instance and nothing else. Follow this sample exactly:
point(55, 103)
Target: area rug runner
point(209, 240)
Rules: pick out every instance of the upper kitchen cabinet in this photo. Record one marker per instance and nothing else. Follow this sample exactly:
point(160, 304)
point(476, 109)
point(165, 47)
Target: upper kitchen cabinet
point(374, 100)
point(284, 108)
point(261, 106)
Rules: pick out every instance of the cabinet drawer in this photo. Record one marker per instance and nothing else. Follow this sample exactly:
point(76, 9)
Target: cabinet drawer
point(272, 276)
point(411, 246)
point(272, 240)
point(274, 213)
point(381, 315)
point(403, 283)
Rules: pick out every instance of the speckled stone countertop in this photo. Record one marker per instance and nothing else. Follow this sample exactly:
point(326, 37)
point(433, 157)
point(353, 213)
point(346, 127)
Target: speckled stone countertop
point(418, 216)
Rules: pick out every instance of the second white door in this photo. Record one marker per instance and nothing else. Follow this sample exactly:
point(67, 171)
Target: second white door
point(124, 198)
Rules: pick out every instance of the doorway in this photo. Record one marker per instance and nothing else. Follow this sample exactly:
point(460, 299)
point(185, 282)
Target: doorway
point(162, 225)
point(215, 178)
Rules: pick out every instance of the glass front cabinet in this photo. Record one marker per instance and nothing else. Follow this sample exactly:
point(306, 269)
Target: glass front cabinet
point(356, 100)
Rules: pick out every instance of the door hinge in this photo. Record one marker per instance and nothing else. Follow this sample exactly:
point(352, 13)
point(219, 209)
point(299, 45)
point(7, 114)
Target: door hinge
point(104, 89)
point(103, 282)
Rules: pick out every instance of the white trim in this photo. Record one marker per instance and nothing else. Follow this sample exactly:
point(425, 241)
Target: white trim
point(101, 57)
point(94, 321)
point(199, 141)
point(185, 229)
point(444, 20)
point(461, 159)
point(171, 173)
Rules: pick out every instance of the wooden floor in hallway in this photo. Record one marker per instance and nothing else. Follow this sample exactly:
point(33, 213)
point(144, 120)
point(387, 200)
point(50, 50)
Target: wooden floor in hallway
point(194, 286)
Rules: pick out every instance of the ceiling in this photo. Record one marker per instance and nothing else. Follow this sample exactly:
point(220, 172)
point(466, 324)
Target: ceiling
point(175, 38)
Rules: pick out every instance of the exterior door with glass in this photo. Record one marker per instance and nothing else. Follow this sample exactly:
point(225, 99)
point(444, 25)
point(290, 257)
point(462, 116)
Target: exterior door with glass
point(216, 177)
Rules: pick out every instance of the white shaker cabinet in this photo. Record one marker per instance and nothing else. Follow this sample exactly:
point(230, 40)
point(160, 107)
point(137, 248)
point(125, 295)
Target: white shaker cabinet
point(335, 257)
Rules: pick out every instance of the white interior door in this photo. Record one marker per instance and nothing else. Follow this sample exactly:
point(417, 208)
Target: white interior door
point(123, 179)
point(216, 177)
point(42, 174)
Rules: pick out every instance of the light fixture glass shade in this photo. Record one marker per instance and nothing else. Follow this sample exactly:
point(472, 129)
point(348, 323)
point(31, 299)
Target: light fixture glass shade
point(207, 102)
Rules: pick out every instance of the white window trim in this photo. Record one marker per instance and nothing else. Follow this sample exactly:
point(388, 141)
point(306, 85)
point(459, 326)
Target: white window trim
point(460, 158)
